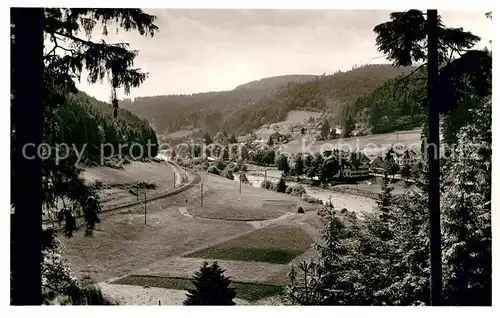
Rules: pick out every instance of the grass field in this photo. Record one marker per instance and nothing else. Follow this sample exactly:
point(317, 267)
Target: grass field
point(117, 182)
point(373, 144)
point(222, 201)
point(278, 245)
point(294, 117)
point(247, 291)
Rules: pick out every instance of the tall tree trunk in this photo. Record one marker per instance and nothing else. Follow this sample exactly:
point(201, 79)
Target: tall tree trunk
point(433, 158)
point(27, 120)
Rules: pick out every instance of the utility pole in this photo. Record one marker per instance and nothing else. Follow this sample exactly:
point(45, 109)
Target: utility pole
point(174, 178)
point(240, 183)
point(433, 158)
point(201, 193)
point(265, 175)
point(137, 192)
point(145, 211)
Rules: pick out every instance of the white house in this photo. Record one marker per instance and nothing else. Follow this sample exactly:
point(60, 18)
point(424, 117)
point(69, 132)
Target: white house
point(404, 156)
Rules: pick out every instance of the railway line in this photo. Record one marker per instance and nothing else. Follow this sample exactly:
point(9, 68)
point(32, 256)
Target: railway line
point(184, 187)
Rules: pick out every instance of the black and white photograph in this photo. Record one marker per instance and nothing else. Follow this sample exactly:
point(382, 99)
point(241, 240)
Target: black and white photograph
point(241, 156)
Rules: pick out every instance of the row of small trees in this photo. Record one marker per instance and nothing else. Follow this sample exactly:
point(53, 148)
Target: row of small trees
point(311, 166)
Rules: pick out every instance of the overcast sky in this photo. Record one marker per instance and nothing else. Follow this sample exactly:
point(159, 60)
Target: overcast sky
point(212, 50)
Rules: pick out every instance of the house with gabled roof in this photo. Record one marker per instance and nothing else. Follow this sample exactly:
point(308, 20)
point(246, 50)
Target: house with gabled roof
point(404, 156)
point(377, 164)
point(354, 165)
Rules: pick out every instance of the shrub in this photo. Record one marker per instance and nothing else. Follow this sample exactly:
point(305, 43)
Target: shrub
point(98, 184)
point(243, 167)
point(266, 184)
point(146, 185)
point(273, 187)
point(244, 178)
point(310, 199)
point(220, 165)
point(213, 170)
point(298, 190)
point(228, 173)
point(288, 190)
point(205, 165)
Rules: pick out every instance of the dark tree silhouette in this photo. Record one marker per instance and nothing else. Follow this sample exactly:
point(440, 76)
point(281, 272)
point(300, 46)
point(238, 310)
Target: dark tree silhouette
point(282, 163)
point(410, 38)
point(385, 198)
point(70, 222)
point(298, 167)
point(281, 185)
point(41, 81)
point(233, 139)
point(115, 62)
point(92, 208)
point(27, 123)
point(211, 287)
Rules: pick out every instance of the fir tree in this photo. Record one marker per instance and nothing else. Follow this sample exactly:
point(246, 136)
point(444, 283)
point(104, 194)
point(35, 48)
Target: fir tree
point(211, 287)
point(282, 163)
point(406, 171)
point(298, 168)
point(385, 198)
point(325, 129)
point(208, 139)
point(233, 139)
point(281, 186)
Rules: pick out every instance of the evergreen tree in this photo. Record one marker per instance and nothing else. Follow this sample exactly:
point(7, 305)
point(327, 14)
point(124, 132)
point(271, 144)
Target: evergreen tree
point(298, 168)
point(324, 282)
point(281, 185)
point(282, 163)
point(385, 199)
point(221, 138)
point(243, 178)
point(329, 169)
point(211, 287)
point(270, 141)
point(53, 75)
point(325, 129)
point(467, 215)
point(208, 138)
point(316, 165)
point(307, 163)
point(412, 37)
point(405, 171)
point(233, 139)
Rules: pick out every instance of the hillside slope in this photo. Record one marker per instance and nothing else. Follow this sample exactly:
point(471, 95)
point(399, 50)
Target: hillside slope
point(256, 103)
point(84, 121)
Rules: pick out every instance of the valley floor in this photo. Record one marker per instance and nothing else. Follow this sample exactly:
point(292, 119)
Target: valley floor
point(255, 236)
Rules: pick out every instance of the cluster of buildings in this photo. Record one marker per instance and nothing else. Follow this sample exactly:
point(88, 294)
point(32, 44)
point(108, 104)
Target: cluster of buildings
point(358, 165)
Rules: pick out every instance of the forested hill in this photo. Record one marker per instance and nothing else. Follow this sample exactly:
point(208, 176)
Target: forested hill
point(395, 105)
point(253, 104)
point(172, 112)
point(82, 119)
point(270, 83)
